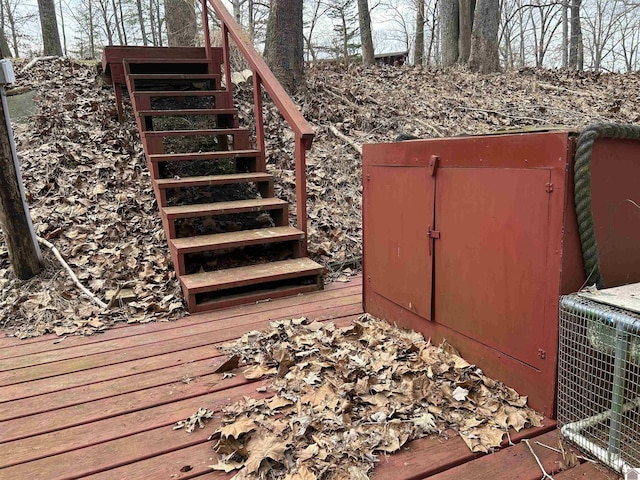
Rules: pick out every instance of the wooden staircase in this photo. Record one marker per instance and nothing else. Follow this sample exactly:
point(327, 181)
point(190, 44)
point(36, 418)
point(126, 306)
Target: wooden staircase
point(229, 236)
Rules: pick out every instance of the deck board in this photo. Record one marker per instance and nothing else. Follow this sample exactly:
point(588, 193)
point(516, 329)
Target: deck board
point(103, 407)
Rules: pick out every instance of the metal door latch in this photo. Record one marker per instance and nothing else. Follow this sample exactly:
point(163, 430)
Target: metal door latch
point(433, 235)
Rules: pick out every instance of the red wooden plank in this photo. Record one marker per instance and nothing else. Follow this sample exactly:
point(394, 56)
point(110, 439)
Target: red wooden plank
point(61, 367)
point(588, 471)
point(117, 386)
point(10, 346)
point(117, 404)
point(509, 464)
point(89, 459)
point(95, 391)
point(155, 360)
point(123, 426)
point(196, 459)
point(429, 456)
point(74, 415)
point(183, 330)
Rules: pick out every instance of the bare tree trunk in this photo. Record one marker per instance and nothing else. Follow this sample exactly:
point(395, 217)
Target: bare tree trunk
point(92, 36)
point(14, 29)
point(124, 28)
point(345, 40)
point(143, 31)
point(180, 16)
point(252, 19)
point(449, 13)
point(465, 27)
point(565, 34)
point(576, 36)
point(418, 53)
point(4, 45)
point(152, 23)
point(236, 10)
point(15, 220)
point(284, 49)
point(49, 26)
point(158, 22)
point(484, 56)
point(104, 10)
point(64, 33)
point(117, 21)
point(368, 56)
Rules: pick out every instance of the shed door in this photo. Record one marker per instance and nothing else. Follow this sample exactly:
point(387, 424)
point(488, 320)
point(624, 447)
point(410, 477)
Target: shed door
point(491, 265)
point(398, 259)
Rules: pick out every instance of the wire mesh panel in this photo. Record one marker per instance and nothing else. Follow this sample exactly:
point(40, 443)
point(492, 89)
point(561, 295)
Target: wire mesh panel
point(599, 381)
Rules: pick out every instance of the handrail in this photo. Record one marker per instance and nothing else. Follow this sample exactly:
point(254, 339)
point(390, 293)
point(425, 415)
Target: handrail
point(264, 77)
point(287, 108)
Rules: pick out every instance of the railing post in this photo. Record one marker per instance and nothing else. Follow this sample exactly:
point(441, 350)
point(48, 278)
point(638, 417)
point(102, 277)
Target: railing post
point(301, 188)
point(205, 26)
point(226, 56)
point(257, 104)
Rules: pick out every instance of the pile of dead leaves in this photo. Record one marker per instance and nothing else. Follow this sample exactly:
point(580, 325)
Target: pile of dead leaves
point(90, 195)
point(344, 395)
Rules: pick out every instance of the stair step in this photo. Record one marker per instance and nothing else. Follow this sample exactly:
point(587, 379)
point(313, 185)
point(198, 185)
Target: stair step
point(251, 275)
point(204, 243)
point(173, 76)
point(269, 292)
point(181, 113)
point(183, 157)
point(223, 208)
point(192, 133)
point(203, 181)
point(180, 93)
point(163, 61)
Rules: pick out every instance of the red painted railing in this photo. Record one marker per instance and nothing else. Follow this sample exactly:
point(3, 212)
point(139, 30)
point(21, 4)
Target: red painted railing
point(263, 78)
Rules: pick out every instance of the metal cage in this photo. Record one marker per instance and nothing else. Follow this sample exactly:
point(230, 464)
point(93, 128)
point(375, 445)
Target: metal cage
point(599, 381)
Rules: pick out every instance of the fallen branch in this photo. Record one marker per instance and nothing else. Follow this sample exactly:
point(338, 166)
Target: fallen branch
point(545, 475)
point(427, 125)
point(36, 60)
point(344, 138)
point(17, 91)
point(502, 114)
point(342, 98)
point(115, 298)
point(547, 86)
point(55, 251)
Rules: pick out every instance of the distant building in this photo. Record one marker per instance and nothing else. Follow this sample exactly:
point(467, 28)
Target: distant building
point(396, 58)
point(633, 474)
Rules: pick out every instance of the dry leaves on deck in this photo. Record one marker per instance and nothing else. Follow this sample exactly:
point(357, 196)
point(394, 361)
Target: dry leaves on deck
point(345, 395)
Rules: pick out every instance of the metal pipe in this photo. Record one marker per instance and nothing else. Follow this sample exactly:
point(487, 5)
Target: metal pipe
point(604, 315)
point(614, 461)
point(617, 397)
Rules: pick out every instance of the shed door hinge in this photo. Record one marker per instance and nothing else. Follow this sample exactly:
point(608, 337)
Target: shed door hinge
point(542, 354)
point(368, 177)
point(433, 164)
point(549, 187)
point(433, 235)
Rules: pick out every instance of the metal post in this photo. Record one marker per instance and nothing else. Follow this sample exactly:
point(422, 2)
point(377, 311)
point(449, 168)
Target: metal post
point(617, 397)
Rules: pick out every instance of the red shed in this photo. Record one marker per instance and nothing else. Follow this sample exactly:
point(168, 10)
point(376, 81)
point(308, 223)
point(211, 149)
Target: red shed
point(473, 239)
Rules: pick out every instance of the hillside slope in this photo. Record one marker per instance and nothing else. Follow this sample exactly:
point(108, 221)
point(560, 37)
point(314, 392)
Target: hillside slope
point(90, 194)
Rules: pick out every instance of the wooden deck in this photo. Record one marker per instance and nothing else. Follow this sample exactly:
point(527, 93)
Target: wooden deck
point(103, 407)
